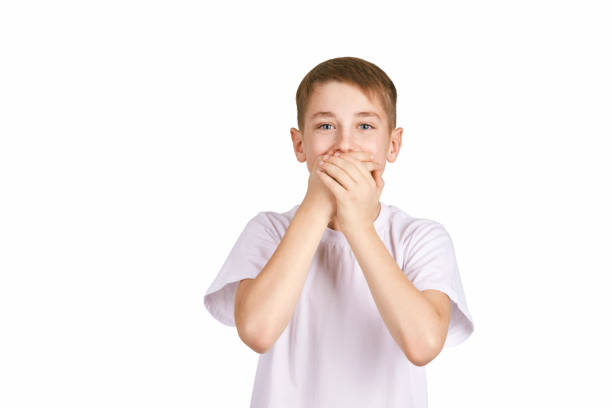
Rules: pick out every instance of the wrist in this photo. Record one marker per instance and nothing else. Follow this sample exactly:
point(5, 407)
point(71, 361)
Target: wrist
point(359, 230)
point(315, 211)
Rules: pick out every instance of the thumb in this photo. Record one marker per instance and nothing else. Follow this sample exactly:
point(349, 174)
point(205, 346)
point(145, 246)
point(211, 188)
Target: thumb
point(379, 180)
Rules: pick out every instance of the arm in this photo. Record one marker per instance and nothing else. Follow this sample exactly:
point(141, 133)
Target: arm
point(418, 321)
point(264, 305)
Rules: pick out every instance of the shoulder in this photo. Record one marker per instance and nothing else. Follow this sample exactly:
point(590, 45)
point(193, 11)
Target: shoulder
point(408, 228)
point(274, 224)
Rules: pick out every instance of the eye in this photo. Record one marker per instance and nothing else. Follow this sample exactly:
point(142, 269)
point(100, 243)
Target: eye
point(367, 124)
point(324, 124)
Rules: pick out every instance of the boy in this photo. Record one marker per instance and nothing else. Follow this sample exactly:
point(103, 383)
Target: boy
point(346, 298)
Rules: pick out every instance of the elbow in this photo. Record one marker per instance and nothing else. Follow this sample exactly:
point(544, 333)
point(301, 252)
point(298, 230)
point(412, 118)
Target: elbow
point(259, 346)
point(420, 361)
point(253, 339)
point(249, 333)
point(423, 355)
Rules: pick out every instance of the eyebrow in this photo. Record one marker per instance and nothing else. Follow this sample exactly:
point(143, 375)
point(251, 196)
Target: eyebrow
point(358, 114)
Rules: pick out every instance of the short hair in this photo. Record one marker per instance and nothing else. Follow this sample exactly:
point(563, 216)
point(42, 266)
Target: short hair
point(367, 76)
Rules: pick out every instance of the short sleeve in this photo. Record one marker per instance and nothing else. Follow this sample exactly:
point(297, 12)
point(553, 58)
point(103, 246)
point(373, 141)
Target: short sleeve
point(430, 263)
point(246, 259)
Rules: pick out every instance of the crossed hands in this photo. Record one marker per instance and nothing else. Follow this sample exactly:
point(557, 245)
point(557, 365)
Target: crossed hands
point(356, 189)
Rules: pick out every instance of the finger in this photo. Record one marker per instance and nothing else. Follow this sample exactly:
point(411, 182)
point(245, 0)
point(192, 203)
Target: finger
point(320, 160)
point(359, 165)
point(369, 160)
point(360, 154)
point(371, 167)
point(345, 166)
point(378, 178)
point(337, 172)
point(331, 183)
point(380, 183)
point(362, 157)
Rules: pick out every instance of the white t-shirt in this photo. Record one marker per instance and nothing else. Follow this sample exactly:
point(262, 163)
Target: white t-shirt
point(336, 350)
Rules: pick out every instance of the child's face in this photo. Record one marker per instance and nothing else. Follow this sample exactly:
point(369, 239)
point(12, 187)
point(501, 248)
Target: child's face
point(344, 127)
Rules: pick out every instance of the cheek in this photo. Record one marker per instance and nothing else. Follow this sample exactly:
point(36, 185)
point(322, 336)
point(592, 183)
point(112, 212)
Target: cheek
point(317, 150)
point(313, 156)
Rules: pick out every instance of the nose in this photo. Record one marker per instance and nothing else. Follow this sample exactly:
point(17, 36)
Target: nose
point(344, 141)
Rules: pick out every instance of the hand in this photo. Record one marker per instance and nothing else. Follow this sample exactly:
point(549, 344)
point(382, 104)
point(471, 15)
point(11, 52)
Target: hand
point(320, 195)
point(356, 190)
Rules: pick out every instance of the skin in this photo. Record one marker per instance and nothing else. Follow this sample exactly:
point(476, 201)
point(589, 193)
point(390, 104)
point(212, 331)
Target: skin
point(344, 132)
point(343, 196)
point(417, 320)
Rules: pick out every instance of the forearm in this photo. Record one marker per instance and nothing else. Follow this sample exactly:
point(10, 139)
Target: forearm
point(267, 305)
point(410, 318)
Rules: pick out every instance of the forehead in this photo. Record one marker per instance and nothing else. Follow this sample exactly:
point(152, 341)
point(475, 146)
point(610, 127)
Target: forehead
point(335, 98)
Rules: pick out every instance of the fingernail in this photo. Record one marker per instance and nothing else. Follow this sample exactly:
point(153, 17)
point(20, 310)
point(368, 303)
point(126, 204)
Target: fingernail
point(337, 154)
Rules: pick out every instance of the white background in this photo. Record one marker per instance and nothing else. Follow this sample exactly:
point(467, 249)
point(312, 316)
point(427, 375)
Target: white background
point(138, 138)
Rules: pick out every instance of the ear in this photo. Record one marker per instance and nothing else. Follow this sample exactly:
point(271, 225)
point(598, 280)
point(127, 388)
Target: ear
point(395, 144)
point(297, 139)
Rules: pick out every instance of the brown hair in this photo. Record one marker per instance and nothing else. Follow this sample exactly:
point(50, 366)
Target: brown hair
point(368, 77)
